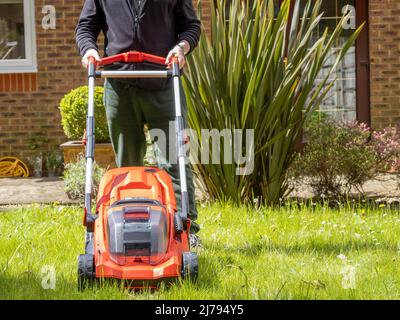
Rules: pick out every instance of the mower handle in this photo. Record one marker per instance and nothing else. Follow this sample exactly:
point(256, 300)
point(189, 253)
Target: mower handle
point(174, 73)
point(130, 57)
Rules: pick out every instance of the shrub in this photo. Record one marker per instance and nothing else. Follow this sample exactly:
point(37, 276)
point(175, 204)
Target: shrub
point(74, 179)
point(387, 145)
point(342, 156)
point(73, 109)
point(53, 162)
point(258, 72)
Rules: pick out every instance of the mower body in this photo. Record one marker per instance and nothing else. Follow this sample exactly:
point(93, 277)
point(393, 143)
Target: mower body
point(135, 236)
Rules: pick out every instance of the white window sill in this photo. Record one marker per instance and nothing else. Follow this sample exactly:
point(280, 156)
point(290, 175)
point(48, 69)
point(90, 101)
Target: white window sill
point(18, 69)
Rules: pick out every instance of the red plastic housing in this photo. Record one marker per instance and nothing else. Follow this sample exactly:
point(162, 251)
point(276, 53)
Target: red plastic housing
point(132, 57)
point(139, 183)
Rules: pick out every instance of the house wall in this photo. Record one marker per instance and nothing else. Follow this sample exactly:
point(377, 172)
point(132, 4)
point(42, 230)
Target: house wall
point(384, 28)
point(29, 102)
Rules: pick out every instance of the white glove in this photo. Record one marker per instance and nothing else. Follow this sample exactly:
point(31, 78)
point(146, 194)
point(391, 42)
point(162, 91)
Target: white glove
point(90, 53)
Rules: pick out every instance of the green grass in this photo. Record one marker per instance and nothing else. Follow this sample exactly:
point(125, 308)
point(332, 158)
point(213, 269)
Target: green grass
point(286, 253)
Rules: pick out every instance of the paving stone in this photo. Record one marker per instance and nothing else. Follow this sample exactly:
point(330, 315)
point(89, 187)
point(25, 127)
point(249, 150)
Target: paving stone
point(32, 190)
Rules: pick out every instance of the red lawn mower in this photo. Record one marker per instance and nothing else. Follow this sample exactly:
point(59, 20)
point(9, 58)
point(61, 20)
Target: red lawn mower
point(137, 234)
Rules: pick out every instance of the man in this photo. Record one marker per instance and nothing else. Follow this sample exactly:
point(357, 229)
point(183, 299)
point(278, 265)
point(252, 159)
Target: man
point(160, 27)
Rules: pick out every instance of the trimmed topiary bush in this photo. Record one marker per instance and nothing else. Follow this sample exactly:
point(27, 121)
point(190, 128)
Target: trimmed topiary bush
point(73, 109)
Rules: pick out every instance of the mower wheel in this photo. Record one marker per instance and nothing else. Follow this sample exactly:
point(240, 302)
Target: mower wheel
point(190, 266)
point(86, 271)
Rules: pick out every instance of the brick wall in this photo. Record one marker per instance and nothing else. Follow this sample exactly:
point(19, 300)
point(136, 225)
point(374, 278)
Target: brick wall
point(205, 14)
point(384, 19)
point(29, 102)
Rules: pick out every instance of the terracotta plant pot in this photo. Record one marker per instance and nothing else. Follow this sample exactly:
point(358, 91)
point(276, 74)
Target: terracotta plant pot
point(104, 154)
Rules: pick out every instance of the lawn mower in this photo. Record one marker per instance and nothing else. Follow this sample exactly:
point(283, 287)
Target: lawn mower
point(136, 234)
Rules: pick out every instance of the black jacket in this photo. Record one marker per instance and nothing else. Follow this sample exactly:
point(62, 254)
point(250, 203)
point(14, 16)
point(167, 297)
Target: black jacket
point(155, 28)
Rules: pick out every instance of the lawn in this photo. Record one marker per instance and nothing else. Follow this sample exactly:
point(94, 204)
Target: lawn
point(292, 252)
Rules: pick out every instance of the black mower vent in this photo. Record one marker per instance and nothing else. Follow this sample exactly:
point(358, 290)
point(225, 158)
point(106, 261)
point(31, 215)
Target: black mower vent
point(134, 201)
point(138, 249)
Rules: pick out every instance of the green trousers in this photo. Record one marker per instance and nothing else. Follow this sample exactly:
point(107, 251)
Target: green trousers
point(128, 109)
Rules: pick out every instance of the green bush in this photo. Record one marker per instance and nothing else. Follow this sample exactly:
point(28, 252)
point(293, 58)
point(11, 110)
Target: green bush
point(74, 179)
point(73, 109)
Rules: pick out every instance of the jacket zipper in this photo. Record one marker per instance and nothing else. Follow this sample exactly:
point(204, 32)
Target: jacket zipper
point(136, 21)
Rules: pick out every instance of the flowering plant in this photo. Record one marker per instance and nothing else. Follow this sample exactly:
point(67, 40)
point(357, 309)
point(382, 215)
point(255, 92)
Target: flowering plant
point(340, 157)
point(387, 145)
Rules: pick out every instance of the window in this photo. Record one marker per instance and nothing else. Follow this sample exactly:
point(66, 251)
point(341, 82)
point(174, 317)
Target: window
point(17, 36)
point(341, 101)
point(349, 97)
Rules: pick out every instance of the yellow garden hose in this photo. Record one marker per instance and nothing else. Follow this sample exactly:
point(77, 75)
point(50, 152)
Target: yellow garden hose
point(13, 167)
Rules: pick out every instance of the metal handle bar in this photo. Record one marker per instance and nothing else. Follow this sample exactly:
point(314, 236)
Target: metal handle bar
point(134, 74)
point(174, 72)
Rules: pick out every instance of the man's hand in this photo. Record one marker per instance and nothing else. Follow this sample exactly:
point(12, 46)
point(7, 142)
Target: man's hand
point(179, 51)
point(90, 53)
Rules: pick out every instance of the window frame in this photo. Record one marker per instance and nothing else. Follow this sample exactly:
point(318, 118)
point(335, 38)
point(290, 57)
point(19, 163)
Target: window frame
point(29, 64)
point(363, 90)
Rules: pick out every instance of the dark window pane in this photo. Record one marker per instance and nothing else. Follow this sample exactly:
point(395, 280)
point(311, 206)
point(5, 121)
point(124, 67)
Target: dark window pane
point(12, 35)
point(341, 100)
